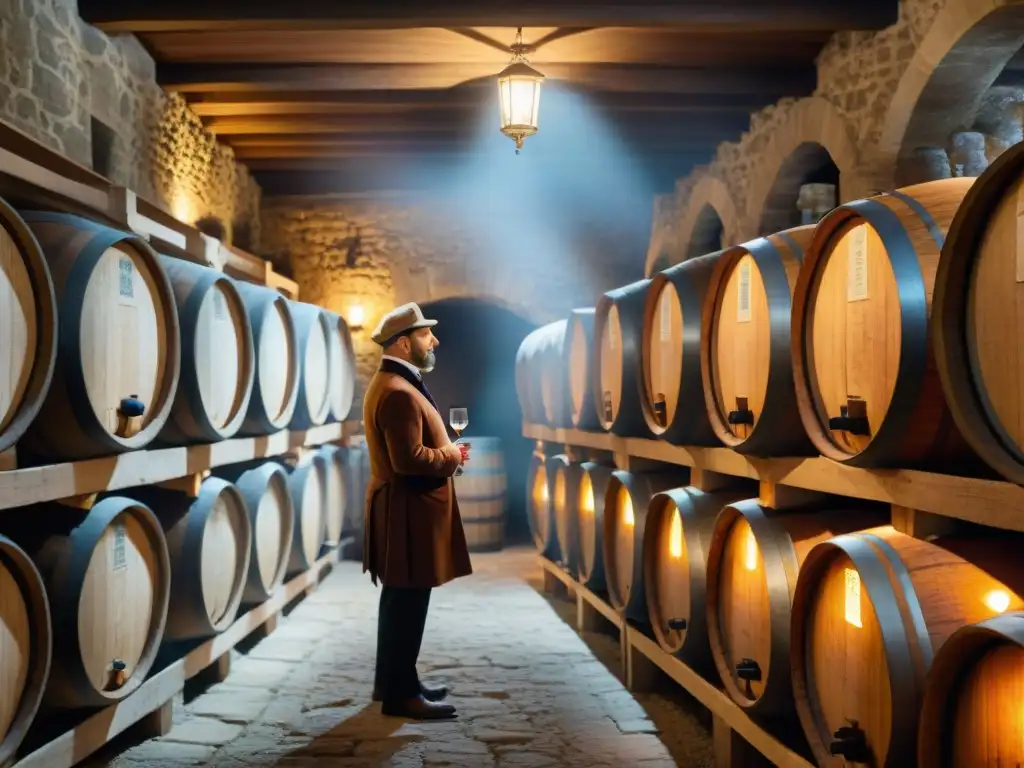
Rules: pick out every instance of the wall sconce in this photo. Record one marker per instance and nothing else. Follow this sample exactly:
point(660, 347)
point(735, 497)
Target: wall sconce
point(356, 317)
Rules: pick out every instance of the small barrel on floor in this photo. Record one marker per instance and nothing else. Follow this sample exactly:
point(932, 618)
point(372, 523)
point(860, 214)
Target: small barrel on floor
point(275, 388)
point(590, 496)
point(217, 358)
point(626, 503)
point(579, 366)
point(878, 605)
point(680, 523)
point(971, 715)
point(119, 347)
point(108, 577)
point(538, 505)
point(26, 646)
point(313, 339)
point(482, 491)
point(752, 566)
point(341, 378)
point(745, 348)
point(618, 329)
point(307, 483)
point(28, 327)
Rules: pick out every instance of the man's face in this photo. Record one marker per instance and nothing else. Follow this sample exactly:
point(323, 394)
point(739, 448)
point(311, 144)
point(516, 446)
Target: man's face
point(422, 344)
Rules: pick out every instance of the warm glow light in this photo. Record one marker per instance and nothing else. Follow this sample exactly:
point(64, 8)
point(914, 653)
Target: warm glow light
point(852, 607)
point(675, 536)
point(519, 96)
point(627, 509)
point(544, 493)
point(356, 316)
point(586, 496)
point(751, 551)
point(997, 600)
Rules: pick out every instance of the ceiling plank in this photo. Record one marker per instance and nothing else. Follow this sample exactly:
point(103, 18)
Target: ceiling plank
point(200, 78)
point(764, 15)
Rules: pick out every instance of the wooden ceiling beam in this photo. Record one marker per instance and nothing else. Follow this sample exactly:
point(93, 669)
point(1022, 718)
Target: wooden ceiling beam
point(211, 78)
point(762, 15)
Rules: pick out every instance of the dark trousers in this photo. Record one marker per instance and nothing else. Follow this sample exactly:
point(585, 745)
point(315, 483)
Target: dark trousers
point(401, 618)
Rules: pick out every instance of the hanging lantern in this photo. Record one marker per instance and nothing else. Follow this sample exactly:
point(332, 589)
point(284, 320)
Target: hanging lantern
point(519, 95)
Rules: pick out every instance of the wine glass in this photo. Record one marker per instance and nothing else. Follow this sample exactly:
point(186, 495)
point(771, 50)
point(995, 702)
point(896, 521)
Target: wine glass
point(458, 418)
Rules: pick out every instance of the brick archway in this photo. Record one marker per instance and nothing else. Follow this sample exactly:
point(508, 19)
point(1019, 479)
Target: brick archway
point(811, 121)
point(962, 54)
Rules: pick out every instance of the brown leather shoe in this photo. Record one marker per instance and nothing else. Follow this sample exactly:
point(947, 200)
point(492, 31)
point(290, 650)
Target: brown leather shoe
point(418, 708)
point(430, 694)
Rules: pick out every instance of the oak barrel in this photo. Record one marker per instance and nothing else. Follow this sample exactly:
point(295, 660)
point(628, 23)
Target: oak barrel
point(579, 363)
point(866, 380)
point(26, 645)
point(336, 493)
point(745, 349)
point(564, 478)
point(973, 698)
point(307, 484)
point(108, 577)
point(275, 389)
point(217, 358)
point(541, 383)
point(538, 505)
point(593, 485)
point(626, 501)
point(869, 613)
point(752, 565)
point(482, 491)
point(977, 340)
point(341, 380)
point(264, 488)
point(680, 522)
point(618, 327)
point(28, 327)
point(313, 339)
point(672, 390)
point(357, 477)
point(118, 350)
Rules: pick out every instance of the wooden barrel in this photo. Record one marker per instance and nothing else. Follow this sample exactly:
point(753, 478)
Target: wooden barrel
point(579, 359)
point(341, 380)
point(275, 389)
point(745, 355)
point(538, 505)
point(25, 645)
point(336, 498)
point(357, 476)
point(264, 487)
point(108, 578)
point(680, 522)
point(670, 354)
point(593, 485)
point(217, 358)
point(209, 539)
point(564, 477)
point(753, 561)
point(866, 382)
point(618, 327)
point(869, 613)
point(626, 501)
point(307, 483)
point(28, 328)
point(313, 339)
point(541, 383)
point(975, 308)
point(118, 351)
point(482, 491)
point(973, 698)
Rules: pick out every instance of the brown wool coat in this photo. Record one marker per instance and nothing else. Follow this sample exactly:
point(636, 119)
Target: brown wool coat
point(413, 535)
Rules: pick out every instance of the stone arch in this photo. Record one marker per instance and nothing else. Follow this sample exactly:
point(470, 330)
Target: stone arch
point(710, 220)
point(468, 293)
point(811, 121)
point(965, 49)
point(809, 163)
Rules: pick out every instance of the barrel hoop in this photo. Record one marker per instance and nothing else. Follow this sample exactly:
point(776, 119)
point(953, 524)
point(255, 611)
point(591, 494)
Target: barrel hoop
point(689, 370)
point(188, 318)
point(922, 213)
point(887, 443)
point(798, 252)
point(876, 578)
point(265, 301)
point(198, 516)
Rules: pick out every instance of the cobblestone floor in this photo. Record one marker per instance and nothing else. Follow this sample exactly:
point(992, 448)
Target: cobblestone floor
point(530, 692)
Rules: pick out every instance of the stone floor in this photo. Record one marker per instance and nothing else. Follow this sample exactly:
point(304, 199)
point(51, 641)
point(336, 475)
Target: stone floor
point(530, 692)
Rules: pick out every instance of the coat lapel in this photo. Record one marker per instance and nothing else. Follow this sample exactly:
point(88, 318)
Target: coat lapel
point(389, 366)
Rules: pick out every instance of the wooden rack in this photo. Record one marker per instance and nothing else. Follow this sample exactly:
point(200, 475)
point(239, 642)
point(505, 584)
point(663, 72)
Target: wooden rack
point(987, 502)
point(735, 735)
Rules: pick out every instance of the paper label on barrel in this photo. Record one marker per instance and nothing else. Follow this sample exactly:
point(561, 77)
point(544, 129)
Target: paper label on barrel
point(852, 607)
point(666, 317)
point(857, 261)
point(743, 294)
point(125, 281)
point(118, 555)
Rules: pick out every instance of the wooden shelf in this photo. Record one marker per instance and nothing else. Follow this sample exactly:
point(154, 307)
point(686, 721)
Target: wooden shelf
point(641, 655)
point(987, 502)
point(20, 487)
point(72, 747)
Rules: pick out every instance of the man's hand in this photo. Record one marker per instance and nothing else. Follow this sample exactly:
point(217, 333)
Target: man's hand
point(464, 451)
point(454, 452)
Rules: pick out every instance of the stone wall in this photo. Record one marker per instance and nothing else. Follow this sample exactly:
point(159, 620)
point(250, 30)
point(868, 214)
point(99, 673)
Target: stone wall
point(79, 91)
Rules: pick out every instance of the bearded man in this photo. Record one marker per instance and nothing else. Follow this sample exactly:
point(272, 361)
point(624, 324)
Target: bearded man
point(413, 538)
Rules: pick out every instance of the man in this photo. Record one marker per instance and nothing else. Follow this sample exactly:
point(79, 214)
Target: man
point(413, 538)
